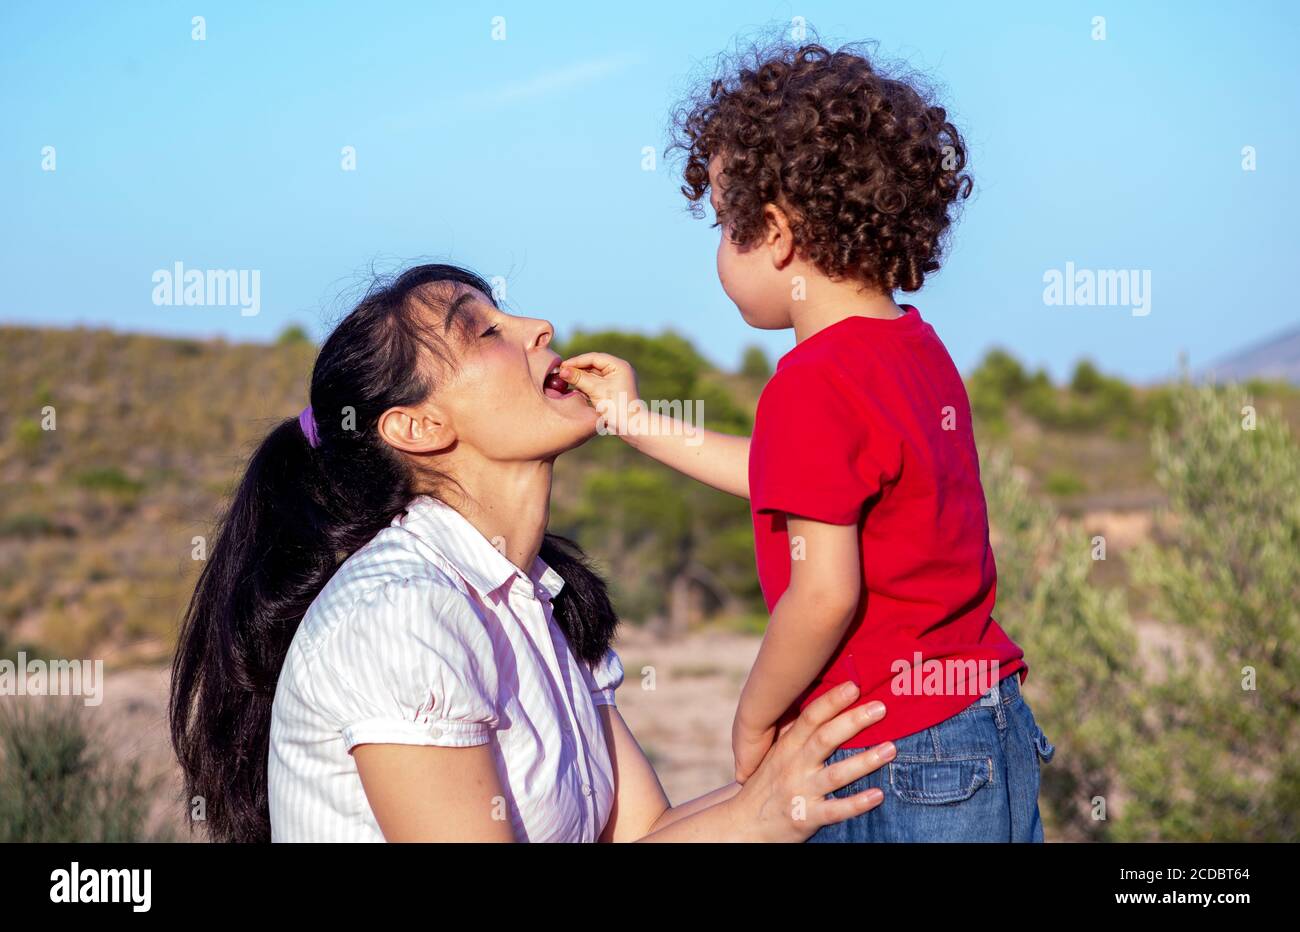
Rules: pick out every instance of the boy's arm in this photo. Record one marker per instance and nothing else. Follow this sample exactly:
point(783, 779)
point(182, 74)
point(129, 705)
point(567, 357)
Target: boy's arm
point(719, 460)
point(807, 624)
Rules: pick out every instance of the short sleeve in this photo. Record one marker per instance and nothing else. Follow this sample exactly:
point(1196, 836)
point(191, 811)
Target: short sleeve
point(603, 677)
point(811, 451)
point(411, 664)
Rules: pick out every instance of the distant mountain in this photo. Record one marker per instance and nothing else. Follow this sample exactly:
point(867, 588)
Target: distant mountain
point(1277, 358)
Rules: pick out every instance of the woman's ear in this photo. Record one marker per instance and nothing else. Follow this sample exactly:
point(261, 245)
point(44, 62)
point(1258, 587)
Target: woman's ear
point(779, 240)
point(425, 429)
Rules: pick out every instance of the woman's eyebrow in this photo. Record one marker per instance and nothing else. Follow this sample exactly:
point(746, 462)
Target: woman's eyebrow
point(457, 308)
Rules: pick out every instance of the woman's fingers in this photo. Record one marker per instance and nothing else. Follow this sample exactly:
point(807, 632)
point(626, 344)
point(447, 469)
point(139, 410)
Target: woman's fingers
point(842, 773)
point(821, 710)
point(830, 811)
point(819, 730)
point(843, 727)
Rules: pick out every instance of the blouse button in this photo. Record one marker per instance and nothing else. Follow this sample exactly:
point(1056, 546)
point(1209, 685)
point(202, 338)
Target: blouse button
point(587, 790)
point(435, 733)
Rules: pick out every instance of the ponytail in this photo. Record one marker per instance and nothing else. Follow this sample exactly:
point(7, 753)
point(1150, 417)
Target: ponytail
point(582, 609)
point(274, 550)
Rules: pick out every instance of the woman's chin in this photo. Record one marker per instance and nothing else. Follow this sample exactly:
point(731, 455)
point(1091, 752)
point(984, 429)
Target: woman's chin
point(585, 421)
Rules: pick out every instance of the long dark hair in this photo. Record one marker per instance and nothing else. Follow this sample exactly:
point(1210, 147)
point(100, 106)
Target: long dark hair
point(298, 513)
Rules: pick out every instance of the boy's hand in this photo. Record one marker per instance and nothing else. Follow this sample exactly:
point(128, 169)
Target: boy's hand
point(750, 747)
point(609, 384)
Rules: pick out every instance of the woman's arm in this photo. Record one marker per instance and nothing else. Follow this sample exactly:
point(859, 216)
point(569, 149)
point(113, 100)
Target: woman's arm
point(422, 793)
point(454, 794)
point(640, 804)
point(785, 799)
point(719, 460)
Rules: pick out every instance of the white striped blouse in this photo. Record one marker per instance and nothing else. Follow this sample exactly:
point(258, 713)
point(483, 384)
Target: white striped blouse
point(428, 635)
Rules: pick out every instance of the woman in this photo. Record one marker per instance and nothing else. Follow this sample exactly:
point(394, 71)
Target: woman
point(385, 643)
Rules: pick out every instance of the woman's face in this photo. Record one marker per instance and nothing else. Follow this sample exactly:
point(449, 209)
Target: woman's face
point(495, 397)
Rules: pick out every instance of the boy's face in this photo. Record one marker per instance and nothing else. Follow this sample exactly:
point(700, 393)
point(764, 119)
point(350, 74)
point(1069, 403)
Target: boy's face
point(750, 275)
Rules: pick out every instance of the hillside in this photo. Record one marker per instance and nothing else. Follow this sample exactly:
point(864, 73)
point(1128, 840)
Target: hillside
point(1136, 653)
point(1276, 358)
point(101, 516)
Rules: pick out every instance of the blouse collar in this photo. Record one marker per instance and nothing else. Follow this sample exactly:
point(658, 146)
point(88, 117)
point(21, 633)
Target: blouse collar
point(479, 563)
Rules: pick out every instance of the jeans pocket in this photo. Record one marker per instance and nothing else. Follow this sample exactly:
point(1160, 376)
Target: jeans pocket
point(1046, 750)
point(936, 782)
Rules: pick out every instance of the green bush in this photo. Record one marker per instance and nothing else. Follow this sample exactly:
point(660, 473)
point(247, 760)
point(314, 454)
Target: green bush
point(998, 379)
point(754, 364)
point(1222, 734)
point(1086, 379)
point(1079, 643)
point(28, 435)
point(1062, 482)
point(27, 525)
point(293, 335)
point(109, 479)
point(1201, 740)
point(57, 784)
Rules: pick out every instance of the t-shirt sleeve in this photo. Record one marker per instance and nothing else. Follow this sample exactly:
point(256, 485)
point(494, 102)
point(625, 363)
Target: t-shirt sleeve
point(411, 664)
point(812, 450)
point(603, 677)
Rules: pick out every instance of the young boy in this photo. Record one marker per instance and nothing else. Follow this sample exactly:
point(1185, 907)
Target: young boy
point(834, 186)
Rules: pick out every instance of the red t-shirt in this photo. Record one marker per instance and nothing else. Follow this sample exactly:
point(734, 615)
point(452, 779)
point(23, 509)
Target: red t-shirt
point(867, 422)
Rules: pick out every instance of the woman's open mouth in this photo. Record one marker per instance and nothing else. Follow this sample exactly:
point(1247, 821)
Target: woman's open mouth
point(555, 387)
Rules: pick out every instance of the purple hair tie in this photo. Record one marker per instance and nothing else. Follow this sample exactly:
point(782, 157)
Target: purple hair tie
point(307, 421)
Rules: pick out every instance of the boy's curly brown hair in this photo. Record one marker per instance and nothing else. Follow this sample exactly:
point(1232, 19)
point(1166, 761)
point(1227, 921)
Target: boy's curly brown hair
point(868, 169)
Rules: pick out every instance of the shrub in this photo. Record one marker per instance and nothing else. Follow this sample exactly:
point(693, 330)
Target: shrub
point(28, 435)
point(1223, 737)
point(109, 479)
point(754, 364)
point(59, 785)
point(1062, 482)
point(1078, 642)
point(293, 335)
point(998, 379)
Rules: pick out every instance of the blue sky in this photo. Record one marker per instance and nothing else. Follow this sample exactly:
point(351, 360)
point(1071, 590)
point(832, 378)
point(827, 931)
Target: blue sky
point(523, 158)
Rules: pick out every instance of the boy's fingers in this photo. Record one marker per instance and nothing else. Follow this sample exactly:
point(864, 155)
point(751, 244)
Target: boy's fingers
point(572, 376)
point(601, 361)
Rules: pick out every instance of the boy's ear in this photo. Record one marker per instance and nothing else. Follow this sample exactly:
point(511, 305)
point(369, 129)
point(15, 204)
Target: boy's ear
point(779, 240)
point(425, 429)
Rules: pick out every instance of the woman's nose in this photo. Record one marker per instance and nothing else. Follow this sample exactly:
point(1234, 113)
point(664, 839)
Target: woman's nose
point(543, 333)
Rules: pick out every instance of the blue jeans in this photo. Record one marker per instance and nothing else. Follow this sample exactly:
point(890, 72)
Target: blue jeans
point(973, 777)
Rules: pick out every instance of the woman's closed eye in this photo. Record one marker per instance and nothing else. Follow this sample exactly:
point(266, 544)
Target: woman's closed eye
point(490, 331)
